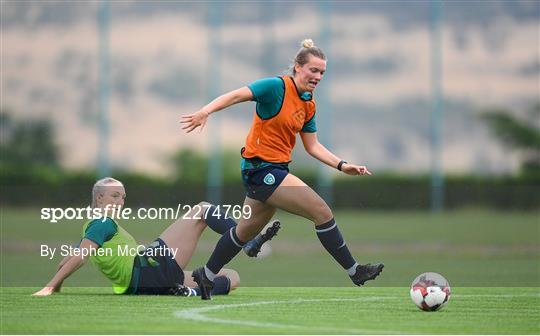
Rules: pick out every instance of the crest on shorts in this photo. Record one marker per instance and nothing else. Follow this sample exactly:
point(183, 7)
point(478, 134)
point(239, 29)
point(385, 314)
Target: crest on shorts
point(269, 179)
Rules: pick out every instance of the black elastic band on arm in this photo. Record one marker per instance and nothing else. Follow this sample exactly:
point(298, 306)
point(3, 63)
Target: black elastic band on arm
point(341, 164)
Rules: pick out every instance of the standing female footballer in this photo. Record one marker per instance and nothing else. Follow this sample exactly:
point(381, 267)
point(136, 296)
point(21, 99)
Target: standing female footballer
point(284, 107)
point(156, 270)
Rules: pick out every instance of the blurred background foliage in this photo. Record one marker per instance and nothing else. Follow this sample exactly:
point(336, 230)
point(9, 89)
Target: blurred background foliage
point(30, 173)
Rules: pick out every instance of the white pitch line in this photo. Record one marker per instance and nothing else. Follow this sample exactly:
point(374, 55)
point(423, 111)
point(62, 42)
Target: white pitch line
point(196, 314)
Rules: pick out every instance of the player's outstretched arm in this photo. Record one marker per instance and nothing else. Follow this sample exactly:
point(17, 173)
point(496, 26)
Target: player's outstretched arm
point(321, 153)
point(65, 270)
point(198, 119)
point(60, 265)
point(63, 262)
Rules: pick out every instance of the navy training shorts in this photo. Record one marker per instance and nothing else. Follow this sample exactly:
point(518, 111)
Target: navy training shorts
point(260, 183)
point(155, 273)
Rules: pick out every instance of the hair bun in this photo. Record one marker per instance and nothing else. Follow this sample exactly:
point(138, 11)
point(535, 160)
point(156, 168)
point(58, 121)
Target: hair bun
point(308, 43)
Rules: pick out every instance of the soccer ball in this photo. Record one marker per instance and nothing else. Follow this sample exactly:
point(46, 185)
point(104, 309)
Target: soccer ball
point(430, 291)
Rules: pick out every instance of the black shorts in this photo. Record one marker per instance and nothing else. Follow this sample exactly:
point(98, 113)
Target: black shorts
point(155, 273)
point(260, 183)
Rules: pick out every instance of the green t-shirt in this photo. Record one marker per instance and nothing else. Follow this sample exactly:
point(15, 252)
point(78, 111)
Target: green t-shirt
point(115, 264)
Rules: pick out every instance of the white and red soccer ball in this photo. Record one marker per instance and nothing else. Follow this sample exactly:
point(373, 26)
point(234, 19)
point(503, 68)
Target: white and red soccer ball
point(430, 291)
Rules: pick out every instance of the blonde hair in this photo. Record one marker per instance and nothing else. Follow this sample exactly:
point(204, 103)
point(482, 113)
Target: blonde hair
point(308, 43)
point(100, 185)
point(302, 56)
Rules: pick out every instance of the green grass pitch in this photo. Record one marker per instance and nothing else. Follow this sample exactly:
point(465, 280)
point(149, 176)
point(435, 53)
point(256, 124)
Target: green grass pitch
point(381, 310)
point(491, 260)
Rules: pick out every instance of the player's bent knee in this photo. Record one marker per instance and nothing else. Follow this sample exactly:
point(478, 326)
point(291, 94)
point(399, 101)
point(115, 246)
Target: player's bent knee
point(204, 205)
point(198, 212)
point(233, 276)
point(322, 214)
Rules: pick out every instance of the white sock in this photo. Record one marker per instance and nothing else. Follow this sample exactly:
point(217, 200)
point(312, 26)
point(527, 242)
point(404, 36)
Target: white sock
point(351, 270)
point(209, 274)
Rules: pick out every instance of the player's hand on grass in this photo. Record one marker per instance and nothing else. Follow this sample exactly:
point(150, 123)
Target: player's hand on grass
point(45, 291)
point(192, 121)
point(351, 169)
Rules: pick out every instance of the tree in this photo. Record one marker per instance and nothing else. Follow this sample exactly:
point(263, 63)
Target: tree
point(27, 144)
point(192, 166)
point(522, 136)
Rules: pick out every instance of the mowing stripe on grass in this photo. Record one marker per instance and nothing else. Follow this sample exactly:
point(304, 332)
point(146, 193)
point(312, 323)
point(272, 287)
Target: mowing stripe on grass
point(196, 314)
point(503, 296)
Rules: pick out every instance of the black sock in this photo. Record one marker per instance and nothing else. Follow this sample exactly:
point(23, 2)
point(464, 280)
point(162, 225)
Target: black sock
point(332, 240)
point(216, 220)
point(222, 286)
point(226, 249)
